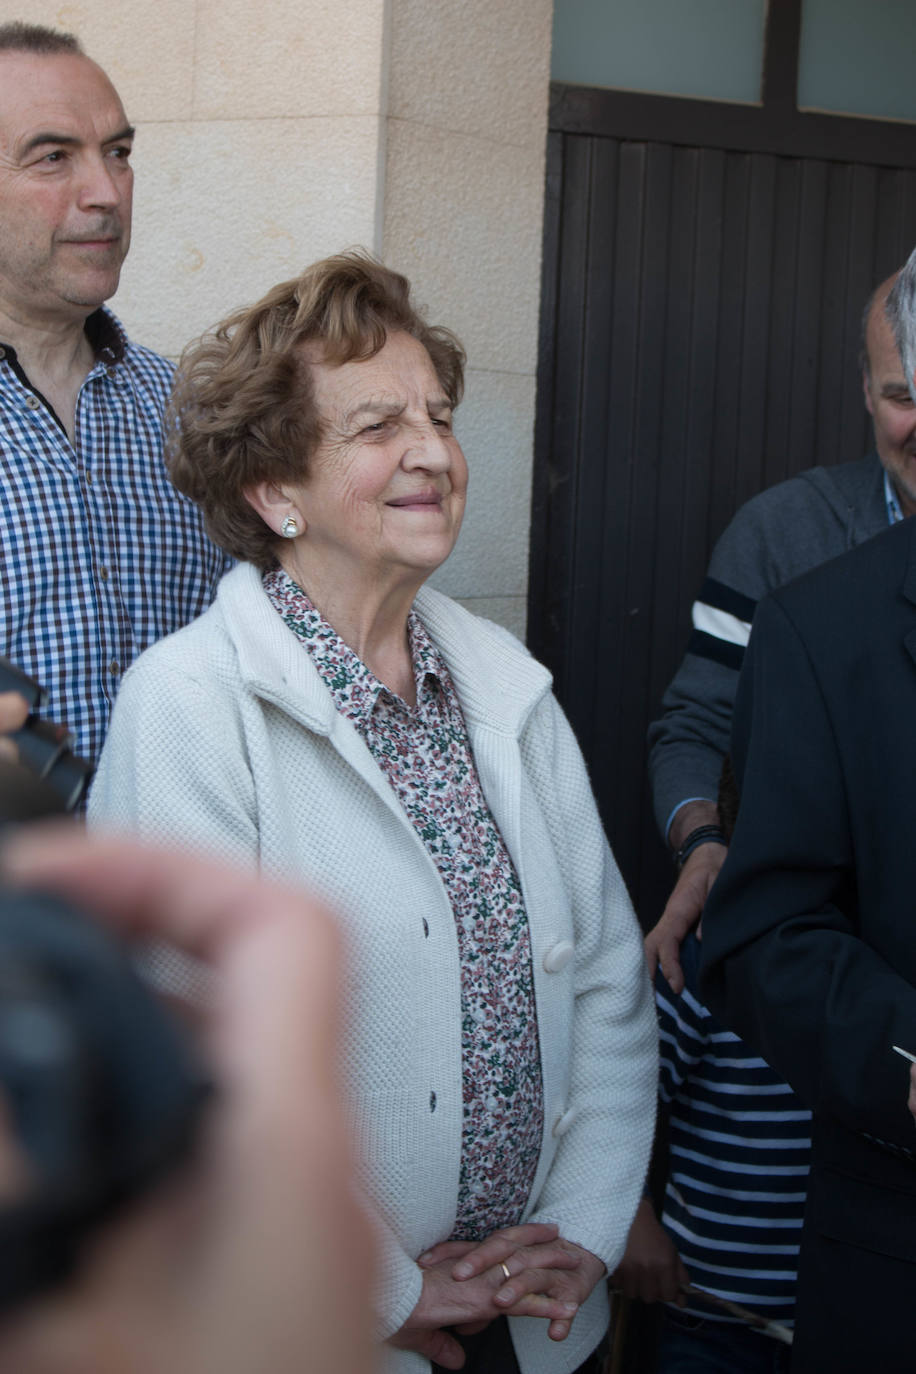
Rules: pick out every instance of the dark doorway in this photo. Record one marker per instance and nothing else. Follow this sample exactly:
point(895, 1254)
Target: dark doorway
point(705, 268)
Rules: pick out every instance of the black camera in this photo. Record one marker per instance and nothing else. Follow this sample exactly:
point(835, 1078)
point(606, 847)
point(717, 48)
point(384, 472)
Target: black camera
point(44, 747)
point(100, 1090)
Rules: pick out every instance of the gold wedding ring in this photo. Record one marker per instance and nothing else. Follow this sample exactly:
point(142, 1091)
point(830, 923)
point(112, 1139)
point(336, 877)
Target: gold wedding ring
point(505, 1269)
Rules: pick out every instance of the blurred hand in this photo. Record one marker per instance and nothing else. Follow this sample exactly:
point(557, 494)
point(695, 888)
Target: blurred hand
point(13, 712)
point(255, 1256)
point(651, 1268)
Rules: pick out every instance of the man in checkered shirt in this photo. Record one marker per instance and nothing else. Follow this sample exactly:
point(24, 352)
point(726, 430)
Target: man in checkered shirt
point(99, 555)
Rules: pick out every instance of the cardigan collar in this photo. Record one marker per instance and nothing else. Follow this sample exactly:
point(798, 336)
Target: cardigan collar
point(497, 681)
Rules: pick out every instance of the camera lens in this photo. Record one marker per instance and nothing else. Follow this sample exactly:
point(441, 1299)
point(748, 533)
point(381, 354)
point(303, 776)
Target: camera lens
point(70, 776)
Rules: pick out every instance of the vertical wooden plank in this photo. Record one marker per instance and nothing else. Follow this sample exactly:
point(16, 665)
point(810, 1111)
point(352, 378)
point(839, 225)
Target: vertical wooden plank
point(895, 214)
point(683, 474)
point(582, 612)
point(560, 378)
point(781, 359)
point(734, 440)
point(704, 352)
point(747, 464)
point(660, 316)
point(863, 231)
point(544, 506)
point(839, 395)
point(688, 395)
point(607, 515)
point(809, 290)
point(861, 278)
point(686, 467)
point(908, 218)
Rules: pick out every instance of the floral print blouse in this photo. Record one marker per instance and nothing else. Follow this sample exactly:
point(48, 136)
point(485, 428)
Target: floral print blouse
point(425, 753)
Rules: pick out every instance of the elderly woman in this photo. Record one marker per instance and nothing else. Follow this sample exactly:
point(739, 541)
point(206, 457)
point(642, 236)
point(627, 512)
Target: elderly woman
point(333, 721)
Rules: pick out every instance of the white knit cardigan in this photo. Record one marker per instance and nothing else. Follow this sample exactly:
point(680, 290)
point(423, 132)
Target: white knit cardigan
point(224, 737)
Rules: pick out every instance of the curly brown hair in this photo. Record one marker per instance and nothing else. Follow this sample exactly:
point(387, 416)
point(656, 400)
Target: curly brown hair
point(242, 411)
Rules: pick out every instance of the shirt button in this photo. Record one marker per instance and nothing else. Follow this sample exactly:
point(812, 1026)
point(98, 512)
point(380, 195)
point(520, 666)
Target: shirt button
point(432, 1102)
point(114, 667)
point(32, 402)
point(88, 479)
point(110, 371)
point(558, 956)
point(563, 1122)
point(103, 574)
point(426, 927)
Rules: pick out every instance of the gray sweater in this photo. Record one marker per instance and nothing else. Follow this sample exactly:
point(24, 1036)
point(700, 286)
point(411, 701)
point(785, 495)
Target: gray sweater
point(774, 537)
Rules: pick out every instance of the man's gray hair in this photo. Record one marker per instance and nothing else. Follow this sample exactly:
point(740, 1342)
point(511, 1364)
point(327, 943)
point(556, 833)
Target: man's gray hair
point(35, 38)
point(900, 309)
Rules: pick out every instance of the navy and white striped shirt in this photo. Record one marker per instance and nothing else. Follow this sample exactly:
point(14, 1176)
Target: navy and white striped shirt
point(99, 554)
point(739, 1153)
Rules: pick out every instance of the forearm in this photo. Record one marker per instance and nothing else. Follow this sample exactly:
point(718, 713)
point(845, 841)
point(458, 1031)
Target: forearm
point(681, 773)
point(651, 1268)
point(690, 817)
point(684, 908)
point(689, 741)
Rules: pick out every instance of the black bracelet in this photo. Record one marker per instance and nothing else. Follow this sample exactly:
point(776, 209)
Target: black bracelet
point(704, 834)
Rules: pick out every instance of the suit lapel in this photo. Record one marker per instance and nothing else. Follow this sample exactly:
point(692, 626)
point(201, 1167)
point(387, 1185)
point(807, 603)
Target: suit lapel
point(909, 585)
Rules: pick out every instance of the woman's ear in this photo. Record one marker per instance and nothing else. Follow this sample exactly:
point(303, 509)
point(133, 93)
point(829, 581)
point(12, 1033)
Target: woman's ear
point(275, 509)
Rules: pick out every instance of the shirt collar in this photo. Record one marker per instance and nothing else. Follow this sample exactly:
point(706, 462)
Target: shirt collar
point(104, 332)
point(354, 688)
point(894, 510)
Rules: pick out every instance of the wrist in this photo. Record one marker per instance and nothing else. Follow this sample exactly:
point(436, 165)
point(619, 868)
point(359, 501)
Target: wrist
point(687, 817)
point(701, 834)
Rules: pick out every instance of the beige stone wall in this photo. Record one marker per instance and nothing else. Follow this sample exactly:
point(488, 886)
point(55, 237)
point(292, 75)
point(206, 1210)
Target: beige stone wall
point(464, 187)
point(272, 134)
point(258, 146)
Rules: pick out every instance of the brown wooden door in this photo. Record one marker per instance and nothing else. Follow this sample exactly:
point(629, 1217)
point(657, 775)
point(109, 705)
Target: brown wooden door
point(705, 268)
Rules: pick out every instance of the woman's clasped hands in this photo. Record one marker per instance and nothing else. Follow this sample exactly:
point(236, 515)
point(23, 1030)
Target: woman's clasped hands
point(521, 1271)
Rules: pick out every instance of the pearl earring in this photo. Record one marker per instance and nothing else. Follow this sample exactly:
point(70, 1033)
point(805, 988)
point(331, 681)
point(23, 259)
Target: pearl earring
point(289, 529)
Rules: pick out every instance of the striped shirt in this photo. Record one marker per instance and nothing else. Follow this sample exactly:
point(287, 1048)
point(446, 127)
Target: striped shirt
point(739, 1150)
point(99, 554)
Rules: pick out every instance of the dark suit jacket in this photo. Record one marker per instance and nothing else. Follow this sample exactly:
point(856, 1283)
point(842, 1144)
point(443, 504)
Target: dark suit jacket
point(809, 936)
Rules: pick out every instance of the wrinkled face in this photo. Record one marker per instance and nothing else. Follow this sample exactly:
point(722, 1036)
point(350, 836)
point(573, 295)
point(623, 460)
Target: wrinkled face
point(890, 405)
point(65, 187)
point(387, 481)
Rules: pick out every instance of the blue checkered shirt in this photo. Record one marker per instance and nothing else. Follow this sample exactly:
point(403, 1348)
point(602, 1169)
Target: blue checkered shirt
point(99, 554)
